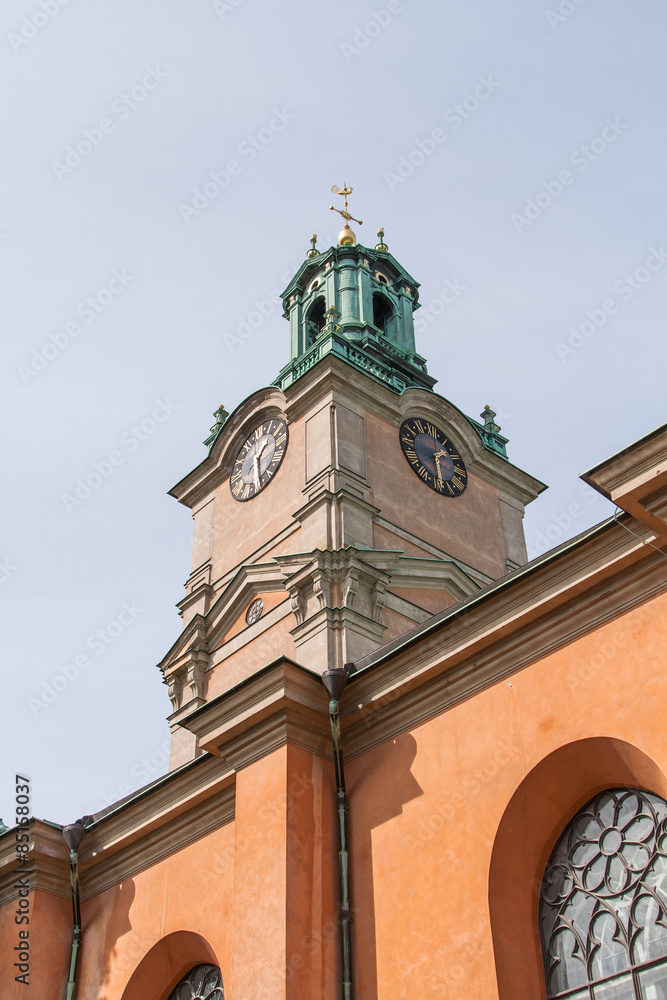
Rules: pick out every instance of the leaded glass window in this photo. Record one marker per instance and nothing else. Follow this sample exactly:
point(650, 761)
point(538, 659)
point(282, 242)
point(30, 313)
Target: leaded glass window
point(204, 982)
point(603, 904)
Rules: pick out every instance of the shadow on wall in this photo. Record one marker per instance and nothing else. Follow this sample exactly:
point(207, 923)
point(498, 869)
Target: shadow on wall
point(376, 794)
point(105, 919)
point(538, 812)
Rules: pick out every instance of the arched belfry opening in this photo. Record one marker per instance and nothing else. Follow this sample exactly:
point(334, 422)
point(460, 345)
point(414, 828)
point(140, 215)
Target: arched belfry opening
point(382, 313)
point(315, 320)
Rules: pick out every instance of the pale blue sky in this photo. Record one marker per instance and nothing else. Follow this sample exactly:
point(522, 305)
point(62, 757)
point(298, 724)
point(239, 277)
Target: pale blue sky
point(333, 92)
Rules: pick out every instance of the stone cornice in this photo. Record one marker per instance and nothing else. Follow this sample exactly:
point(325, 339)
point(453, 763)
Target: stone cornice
point(443, 677)
point(194, 631)
point(153, 823)
point(434, 574)
point(497, 632)
point(282, 703)
point(174, 811)
point(637, 463)
point(250, 579)
point(47, 866)
point(160, 841)
point(636, 480)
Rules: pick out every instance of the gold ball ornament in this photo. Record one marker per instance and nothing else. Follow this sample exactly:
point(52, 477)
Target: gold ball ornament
point(346, 237)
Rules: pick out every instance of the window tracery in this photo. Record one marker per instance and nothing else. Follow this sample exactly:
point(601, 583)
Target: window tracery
point(204, 982)
point(603, 902)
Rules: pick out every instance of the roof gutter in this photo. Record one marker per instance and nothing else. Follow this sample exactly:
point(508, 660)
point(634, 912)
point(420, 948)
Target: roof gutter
point(74, 834)
point(335, 681)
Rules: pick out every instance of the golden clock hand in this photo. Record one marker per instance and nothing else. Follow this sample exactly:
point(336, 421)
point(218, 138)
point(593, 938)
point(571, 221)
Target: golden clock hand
point(436, 456)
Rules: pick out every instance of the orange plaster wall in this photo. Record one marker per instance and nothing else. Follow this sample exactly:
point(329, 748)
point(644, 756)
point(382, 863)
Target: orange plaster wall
point(312, 873)
point(192, 890)
point(425, 810)
point(49, 945)
point(259, 880)
point(285, 879)
point(454, 525)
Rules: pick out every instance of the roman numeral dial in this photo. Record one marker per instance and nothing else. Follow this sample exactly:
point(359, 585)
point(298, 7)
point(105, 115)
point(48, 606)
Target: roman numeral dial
point(258, 459)
point(433, 457)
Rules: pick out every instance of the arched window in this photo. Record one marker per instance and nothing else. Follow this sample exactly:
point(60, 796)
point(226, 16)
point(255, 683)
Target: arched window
point(382, 312)
point(315, 320)
point(204, 982)
point(603, 904)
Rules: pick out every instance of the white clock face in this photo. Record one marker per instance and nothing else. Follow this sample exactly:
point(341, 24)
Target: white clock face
point(258, 459)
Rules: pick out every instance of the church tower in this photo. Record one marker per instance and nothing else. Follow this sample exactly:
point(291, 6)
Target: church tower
point(344, 504)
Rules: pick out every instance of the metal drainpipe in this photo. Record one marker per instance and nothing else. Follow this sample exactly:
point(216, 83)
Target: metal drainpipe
point(335, 681)
point(73, 835)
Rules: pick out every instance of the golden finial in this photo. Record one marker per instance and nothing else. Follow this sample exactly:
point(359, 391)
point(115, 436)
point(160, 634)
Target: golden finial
point(313, 252)
point(345, 236)
point(381, 245)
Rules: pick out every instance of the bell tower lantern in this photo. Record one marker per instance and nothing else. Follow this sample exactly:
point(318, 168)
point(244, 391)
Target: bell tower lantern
point(357, 303)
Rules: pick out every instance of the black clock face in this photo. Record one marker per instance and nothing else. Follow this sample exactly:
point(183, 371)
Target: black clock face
point(433, 457)
point(258, 459)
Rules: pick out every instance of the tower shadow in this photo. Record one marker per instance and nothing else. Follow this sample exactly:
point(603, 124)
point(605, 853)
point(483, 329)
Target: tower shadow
point(379, 784)
point(103, 927)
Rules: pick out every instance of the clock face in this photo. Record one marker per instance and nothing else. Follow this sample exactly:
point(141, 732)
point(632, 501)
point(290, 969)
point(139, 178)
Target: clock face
point(433, 457)
point(258, 459)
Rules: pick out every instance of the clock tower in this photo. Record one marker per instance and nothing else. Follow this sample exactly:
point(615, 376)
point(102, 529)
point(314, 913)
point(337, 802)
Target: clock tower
point(344, 504)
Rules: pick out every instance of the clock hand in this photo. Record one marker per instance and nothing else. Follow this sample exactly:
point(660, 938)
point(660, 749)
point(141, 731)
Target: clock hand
point(255, 462)
point(437, 456)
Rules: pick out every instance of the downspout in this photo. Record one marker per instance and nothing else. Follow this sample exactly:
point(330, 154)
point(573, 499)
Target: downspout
point(335, 681)
point(73, 835)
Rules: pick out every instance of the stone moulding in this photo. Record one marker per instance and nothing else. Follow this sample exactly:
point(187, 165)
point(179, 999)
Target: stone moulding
point(282, 703)
point(184, 666)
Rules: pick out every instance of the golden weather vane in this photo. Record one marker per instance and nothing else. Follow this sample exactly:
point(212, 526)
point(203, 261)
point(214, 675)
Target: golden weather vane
point(344, 191)
point(346, 235)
